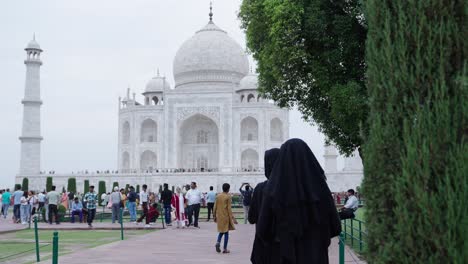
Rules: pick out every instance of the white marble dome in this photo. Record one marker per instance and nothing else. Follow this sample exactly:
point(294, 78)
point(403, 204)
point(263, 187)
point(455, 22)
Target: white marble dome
point(249, 82)
point(33, 45)
point(211, 55)
point(157, 84)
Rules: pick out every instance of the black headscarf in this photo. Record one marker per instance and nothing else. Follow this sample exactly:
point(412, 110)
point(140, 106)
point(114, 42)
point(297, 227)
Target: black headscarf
point(298, 211)
point(261, 252)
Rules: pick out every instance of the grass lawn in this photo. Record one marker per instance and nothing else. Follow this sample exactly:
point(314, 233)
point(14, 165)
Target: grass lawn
point(20, 246)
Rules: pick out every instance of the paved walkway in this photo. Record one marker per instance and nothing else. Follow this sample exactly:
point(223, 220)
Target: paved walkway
point(173, 245)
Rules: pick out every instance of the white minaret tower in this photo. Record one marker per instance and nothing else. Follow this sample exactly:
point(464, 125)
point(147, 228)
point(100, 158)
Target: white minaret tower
point(330, 159)
point(30, 162)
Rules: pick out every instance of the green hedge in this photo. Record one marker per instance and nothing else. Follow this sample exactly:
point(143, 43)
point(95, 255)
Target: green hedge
point(102, 189)
point(416, 156)
point(49, 184)
point(86, 186)
point(71, 187)
point(25, 185)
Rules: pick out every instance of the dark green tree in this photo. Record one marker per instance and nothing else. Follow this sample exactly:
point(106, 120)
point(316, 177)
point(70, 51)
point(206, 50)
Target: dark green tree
point(16, 186)
point(25, 185)
point(86, 186)
point(102, 189)
point(416, 163)
point(115, 184)
point(49, 184)
point(127, 187)
point(311, 54)
point(138, 188)
point(71, 186)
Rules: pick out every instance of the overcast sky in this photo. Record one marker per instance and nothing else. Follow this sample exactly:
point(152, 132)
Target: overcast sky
point(94, 50)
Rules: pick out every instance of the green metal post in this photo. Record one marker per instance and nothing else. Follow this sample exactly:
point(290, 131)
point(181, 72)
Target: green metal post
point(352, 233)
point(342, 249)
point(55, 249)
point(345, 227)
point(121, 224)
point(360, 237)
point(36, 236)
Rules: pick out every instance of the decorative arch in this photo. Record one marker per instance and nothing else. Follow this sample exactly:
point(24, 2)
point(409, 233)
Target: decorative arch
point(242, 98)
point(149, 130)
point(126, 132)
point(249, 129)
point(155, 100)
point(148, 160)
point(125, 161)
point(250, 98)
point(198, 143)
point(249, 159)
point(276, 129)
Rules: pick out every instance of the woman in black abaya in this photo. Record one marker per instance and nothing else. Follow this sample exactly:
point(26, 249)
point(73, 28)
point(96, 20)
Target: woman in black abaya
point(261, 251)
point(298, 212)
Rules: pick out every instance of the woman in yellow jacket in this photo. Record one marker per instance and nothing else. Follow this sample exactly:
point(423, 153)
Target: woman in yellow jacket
point(223, 217)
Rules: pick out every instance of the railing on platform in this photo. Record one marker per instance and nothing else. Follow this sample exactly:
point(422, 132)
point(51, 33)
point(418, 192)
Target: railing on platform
point(354, 231)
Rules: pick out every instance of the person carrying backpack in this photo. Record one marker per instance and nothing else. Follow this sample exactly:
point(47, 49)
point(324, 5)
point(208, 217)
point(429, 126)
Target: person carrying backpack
point(246, 198)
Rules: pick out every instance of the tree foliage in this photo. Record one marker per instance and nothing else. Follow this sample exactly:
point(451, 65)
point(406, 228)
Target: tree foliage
point(416, 162)
point(49, 184)
point(102, 189)
point(71, 186)
point(86, 186)
point(25, 185)
point(311, 54)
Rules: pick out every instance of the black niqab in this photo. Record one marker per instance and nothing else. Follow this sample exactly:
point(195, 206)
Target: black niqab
point(298, 211)
point(261, 252)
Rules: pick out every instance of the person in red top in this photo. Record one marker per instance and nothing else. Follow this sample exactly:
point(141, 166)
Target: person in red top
point(151, 215)
point(179, 203)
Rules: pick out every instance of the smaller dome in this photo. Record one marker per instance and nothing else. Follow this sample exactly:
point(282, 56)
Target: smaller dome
point(33, 45)
point(157, 84)
point(249, 82)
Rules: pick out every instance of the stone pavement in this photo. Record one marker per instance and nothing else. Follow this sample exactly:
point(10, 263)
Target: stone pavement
point(173, 245)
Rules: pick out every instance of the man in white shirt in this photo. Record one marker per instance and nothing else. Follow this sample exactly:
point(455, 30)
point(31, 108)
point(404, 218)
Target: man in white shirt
point(350, 207)
point(144, 203)
point(194, 197)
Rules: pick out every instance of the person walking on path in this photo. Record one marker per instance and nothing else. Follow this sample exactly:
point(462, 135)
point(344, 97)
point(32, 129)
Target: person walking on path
point(210, 200)
point(144, 196)
point(298, 212)
point(246, 198)
point(91, 199)
point(6, 202)
point(24, 208)
point(115, 200)
point(54, 199)
point(194, 197)
point(166, 199)
point(179, 203)
point(41, 199)
point(64, 199)
point(131, 205)
point(224, 218)
point(17, 204)
point(260, 250)
point(33, 203)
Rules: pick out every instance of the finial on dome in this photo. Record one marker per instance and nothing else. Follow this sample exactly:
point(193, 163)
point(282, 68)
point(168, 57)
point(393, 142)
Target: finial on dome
point(34, 36)
point(211, 11)
point(157, 72)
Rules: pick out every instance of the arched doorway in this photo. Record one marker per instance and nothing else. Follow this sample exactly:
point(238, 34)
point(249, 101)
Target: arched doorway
point(149, 130)
point(148, 161)
point(249, 129)
point(198, 145)
point(249, 160)
point(276, 130)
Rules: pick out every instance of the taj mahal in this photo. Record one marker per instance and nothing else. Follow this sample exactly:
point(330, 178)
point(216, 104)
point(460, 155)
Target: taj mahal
point(211, 127)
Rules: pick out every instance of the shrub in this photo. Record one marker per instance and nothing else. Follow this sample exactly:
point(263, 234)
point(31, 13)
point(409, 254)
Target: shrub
point(49, 184)
point(102, 189)
point(71, 187)
point(25, 185)
point(86, 186)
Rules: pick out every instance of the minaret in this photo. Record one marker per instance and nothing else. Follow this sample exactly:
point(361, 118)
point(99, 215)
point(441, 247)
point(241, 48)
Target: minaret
point(330, 159)
point(30, 162)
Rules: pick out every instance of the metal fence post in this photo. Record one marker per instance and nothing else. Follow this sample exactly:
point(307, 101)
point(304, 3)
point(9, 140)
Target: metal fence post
point(121, 224)
point(352, 233)
point(102, 214)
point(36, 236)
point(342, 249)
point(360, 237)
point(345, 229)
point(55, 248)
